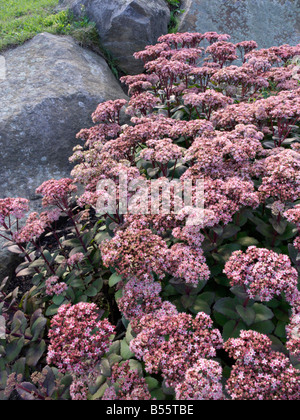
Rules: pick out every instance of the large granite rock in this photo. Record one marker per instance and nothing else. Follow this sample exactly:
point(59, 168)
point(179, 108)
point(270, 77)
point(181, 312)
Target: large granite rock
point(268, 22)
point(124, 26)
point(52, 88)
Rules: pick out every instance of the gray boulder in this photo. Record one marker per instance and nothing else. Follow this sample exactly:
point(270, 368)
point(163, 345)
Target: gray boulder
point(124, 26)
point(268, 22)
point(52, 86)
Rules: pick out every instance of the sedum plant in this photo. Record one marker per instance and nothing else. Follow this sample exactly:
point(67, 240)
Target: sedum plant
point(130, 301)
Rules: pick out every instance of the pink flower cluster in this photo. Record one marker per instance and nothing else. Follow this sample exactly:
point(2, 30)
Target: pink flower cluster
point(136, 252)
point(293, 215)
point(220, 154)
point(259, 372)
point(109, 112)
point(263, 273)
point(222, 52)
point(35, 226)
point(12, 207)
point(54, 287)
point(202, 382)
point(208, 101)
point(75, 259)
point(172, 342)
point(281, 179)
point(79, 390)
point(188, 263)
point(141, 104)
point(162, 151)
point(78, 339)
point(126, 384)
point(280, 112)
point(140, 297)
point(56, 192)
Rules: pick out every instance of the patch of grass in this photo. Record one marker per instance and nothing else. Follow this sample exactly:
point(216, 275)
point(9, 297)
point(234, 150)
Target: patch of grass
point(21, 20)
point(175, 8)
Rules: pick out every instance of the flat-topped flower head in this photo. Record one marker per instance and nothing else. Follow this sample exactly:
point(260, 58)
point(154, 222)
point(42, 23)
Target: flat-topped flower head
point(57, 192)
point(263, 273)
point(35, 226)
point(136, 252)
point(109, 111)
point(78, 339)
point(202, 382)
point(172, 342)
point(259, 372)
point(126, 384)
point(13, 207)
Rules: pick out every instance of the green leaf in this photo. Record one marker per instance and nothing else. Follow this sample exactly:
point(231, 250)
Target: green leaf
point(248, 241)
point(208, 297)
point(118, 294)
point(136, 366)
point(279, 227)
point(200, 305)
point(264, 327)
point(47, 255)
point(282, 314)
point(280, 329)
point(26, 272)
point(19, 366)
point(35, 352)
point(26, 391)
point(114, 359)
point(38, 328)
point(72, 243)
point(152, 383)
point(105, 368)
point(76, 283)
point(115, 348)
point(125, 351)
point(232, 329)
point(220, 319)
point(226, 251)
point(152, 172)
point(247, 314)
point(52, 310)
point(230, 231)
point(99, 394)
point(37, 263)
point(92, 291)
point(98, 284)
point(19, 323)
point(102, 236)
point(158, 394)
point(227, 307)
point(187, 301)
point(239, 292)
point(263, 313)
point(58, 300)
point(37, 278)
point(14, 348)
point(114, 279)
point(129, 336)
